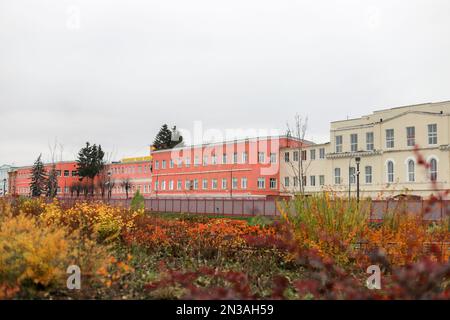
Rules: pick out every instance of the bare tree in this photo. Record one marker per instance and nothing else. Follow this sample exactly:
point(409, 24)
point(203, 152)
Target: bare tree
point(76, 188)
point(298, 163)
point(52, 181)
point(126, 184)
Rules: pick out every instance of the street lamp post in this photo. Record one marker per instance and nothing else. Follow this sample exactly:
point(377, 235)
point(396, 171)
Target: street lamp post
point(4, 186)
point(349, 179)
point(358, 160)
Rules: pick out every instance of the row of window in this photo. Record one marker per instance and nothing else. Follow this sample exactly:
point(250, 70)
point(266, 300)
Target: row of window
point(312, 155)
point(389, 138)
point(212, 184)
point(312, 181)
point(130, 170)
point(390, 172)
point(213, 160)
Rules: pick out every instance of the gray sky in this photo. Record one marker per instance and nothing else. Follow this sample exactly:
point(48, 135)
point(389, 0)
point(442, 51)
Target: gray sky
point(111, 72)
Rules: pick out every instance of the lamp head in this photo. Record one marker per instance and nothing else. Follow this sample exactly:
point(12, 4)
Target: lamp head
point(358, 159)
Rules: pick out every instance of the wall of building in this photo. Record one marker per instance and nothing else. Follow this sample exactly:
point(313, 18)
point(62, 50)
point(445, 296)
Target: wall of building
point(4, 179)
point(377, 158)
point(250, 169)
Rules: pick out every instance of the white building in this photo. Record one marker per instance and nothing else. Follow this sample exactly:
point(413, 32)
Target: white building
point(385, 142)
point(4, 179)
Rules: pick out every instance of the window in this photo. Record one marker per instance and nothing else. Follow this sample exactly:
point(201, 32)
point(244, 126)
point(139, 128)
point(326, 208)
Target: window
point(273, 183)
point(354, 142)
point(286, 156)
point(156, 186)
point(273, 158)
point(195, 184)
point(187, 184)
point(66, 189)
point(322, 153)
point(235, 158)
point(312, 154)
point(224, 158)
point(163, 164)
point(410, 136)
point(286, 181)
point(66, 173)
point(171, 163)
point(224, 183)
point(171, 185)
point(390, 171)
point(213, 159)
point(352, 175)
point(244, 157)
point(180, 163)
point(261, 183)
point(163, 185)
point(261, 157)
point(369, 141)
point(205, 160)
point(196, 161)
point(295, 155)
point(432, 133)
point(244, 183)
point(58, 190)
point(303, 155)
point(321, 180)
point(58, 173)
point(312, 181)
point(368, 173)
point(205, 184)
point(304, 180)
point(411, 171)
point(433, 169)
point(187, 162)
point(179, 185)
point(234, 183)
point(338, 144)
point(295, 181)
point(337, 175)
point(214, 184)
point(389, 138)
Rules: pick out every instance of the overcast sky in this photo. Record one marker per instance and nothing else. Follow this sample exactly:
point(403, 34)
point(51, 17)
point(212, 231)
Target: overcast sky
point(111, 72)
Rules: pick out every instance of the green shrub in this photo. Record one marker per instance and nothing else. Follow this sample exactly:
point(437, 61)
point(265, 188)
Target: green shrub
point(137, 203)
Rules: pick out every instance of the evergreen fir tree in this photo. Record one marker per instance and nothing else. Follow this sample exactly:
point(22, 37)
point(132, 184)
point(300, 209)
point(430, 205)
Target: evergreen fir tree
point(164, 139)
point(38, 178)
point(90, 161)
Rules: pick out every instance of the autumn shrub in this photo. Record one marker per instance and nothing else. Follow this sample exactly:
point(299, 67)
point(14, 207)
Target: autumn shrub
point(36, 248)
point(204, 238)
point(138, 202)
point(97, 219)
point(330, 225)
point(32, 253)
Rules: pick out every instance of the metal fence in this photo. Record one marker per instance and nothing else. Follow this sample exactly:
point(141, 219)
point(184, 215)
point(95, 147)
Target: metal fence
point(430, 210)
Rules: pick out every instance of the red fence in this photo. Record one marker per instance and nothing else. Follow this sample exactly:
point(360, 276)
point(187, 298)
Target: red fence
point(432, 211)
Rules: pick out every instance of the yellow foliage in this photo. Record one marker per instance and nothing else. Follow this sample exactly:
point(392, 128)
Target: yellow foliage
point(32, 252)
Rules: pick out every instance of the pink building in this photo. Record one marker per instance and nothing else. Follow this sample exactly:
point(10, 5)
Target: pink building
point(246, 168)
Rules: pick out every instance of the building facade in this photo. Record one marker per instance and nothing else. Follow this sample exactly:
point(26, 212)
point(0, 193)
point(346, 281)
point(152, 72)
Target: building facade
point(246, 168)
point(4, 179)
point(386, 143)
point(20, 178)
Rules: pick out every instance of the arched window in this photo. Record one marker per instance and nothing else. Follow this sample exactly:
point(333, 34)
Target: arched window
point(390, 171)
point(411, 170)
point(433, 169)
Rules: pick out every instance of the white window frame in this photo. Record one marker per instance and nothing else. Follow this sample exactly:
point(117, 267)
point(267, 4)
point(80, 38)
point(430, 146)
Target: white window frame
point(432, 135)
